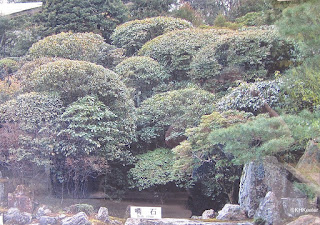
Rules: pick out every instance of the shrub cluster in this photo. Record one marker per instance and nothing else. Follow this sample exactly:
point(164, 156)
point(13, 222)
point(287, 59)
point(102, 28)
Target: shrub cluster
point(134, 34)
point(249, 55)
point(174, 50)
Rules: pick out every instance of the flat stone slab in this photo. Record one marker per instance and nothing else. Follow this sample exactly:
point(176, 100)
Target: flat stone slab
point(169, 221)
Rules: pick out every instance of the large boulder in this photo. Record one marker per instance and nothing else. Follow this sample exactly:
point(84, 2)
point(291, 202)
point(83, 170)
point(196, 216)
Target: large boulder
point(21, 198)
point(231, 212)
point(79, 219)
point(260, 177)
point(14, 216)
point(309, 163)
point(306, 219)
point(269, 209)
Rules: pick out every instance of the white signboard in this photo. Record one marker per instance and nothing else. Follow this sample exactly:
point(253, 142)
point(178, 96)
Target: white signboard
point(145, 212)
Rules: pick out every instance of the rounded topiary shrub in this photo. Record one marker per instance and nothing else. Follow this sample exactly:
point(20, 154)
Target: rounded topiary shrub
point(133, 34)
point(247, 56)
point(174, 50)
point(171, 113)
point(142, 74)
point(94, 97)
point(77, 46)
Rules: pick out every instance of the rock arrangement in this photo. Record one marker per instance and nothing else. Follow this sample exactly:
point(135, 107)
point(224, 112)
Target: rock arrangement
point(44, 216)
point(267, 193)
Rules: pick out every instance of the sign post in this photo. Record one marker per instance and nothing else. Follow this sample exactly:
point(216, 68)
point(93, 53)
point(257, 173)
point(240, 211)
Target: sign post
point(145, 212)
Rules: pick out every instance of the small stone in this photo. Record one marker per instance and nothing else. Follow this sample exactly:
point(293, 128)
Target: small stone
point(79, 219)
point(208, 214)
point(43, 211)
point(45, 220)
point(103, 214)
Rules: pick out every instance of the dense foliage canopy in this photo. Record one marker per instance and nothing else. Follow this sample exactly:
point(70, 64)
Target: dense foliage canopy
point(82, 16)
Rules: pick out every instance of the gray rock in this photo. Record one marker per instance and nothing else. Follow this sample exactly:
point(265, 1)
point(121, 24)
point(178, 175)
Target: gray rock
point(46, 220)
point(103, 214)
point(14, 216)
point(43, 211)
point(79, 219)
point(260, 177)
point(231, 212)
point(269, 209)
point(166, 221)
point(208, 214)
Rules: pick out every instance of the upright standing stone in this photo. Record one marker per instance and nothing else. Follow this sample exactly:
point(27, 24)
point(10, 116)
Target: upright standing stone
point(260, 177)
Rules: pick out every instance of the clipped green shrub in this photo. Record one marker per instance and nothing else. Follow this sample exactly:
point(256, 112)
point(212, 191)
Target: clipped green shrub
point(249, 55)
point(179, 109)
point(29, 67)
point(73, 81)
point(77, 46)
point(134, 34)
point(174, 50)
point(251, 97)
point(143, 75)
point(152, 168)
